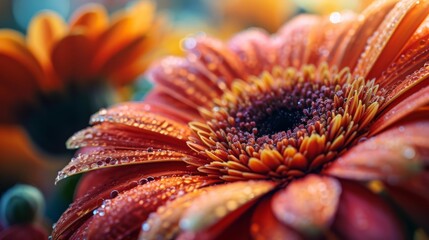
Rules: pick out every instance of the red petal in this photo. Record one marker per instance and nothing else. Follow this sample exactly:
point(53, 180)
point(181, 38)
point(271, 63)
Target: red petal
point(413, 197)
point(266, 226)
point(308, 204)
point(122, 216)
point(71, 57)
point(28, 232)
point(98, 185)
point(391, 156)
point(364, 215)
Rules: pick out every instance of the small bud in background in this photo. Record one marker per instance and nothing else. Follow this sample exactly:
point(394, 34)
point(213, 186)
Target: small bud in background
point(22, 204)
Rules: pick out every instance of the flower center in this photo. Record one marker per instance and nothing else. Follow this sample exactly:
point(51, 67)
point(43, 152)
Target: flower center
point(284, 124)
point(281, 120)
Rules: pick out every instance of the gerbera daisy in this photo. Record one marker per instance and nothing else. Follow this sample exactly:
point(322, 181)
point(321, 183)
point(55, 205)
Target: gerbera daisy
point(318, 131)
point(67, 71)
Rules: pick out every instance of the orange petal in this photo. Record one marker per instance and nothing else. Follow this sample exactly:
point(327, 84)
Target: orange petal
point(362, 29)
point(217, 58)
point(92, 19)
point(412, 59)
point(44, 31)
point(364, 215)
point(324, 40)
point(126, 28)
point(163, 224)
point(392, 34)
point(219, 202)
point(71, 57)
point(132, 207)
point(20, 71)
point(404, 107)
point(142, 119)
point(391, 156)
point(309, 204)
point(254, 50)
point(157, 96)
point(13, 49)
point(99, 185)
point(112, 157)
point(292, 39)
point(266, 226)
point(186, 81)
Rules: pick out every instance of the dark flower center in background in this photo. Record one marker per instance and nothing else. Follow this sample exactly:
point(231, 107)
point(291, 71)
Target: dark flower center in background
point(284, 124)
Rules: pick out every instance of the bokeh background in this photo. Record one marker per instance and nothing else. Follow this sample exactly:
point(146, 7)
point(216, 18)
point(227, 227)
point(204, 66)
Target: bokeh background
point(62, 60)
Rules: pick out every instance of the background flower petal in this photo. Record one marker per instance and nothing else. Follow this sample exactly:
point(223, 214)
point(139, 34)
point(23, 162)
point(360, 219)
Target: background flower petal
point(43, 32)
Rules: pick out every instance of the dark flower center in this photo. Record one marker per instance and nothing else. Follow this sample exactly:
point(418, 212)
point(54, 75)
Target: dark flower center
point(281, 120)
point(285, 124)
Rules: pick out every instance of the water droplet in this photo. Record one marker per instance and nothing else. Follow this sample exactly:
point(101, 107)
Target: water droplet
point(114, 194)
point(409, 153)
point(145, 227)
point(150, 178)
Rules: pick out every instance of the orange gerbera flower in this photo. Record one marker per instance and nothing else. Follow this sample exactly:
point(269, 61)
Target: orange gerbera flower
point(268, 137)
point(90, 49)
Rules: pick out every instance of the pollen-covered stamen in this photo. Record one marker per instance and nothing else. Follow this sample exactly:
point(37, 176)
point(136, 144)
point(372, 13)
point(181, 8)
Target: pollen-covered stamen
point(284, 124)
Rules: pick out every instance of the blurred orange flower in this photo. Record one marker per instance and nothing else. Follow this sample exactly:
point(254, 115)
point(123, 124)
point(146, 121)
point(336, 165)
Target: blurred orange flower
point(284, 136)
point(269, 14)
point(91, 49)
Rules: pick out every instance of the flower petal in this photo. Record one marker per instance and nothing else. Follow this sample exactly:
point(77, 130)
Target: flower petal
point(217, 58)
point(111, 157)
point(142, 119)
point(126, 27)
point(309, 204)
point(364, 215)
point(43, 32)
point(292, 39)
point(394, 31)
point(98, 185)
point(324, 40)
point(71, 57)
point(410, 67)
point(189, 83)
point(92, 19)
point(391, 156)
point(403, 108)
point(266, 226)
point(254, 49)
point(365, 25)
point(164, 223)
point(132, 207)
point(413, 197)
point(219, 202)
